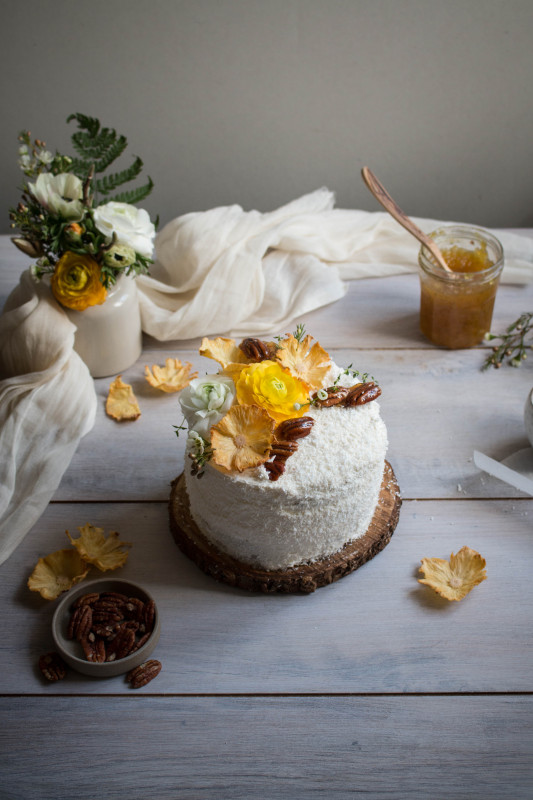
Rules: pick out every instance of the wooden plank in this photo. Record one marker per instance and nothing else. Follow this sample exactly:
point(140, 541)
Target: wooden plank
point(438, 406)
point(406, 748)
point(376, 630)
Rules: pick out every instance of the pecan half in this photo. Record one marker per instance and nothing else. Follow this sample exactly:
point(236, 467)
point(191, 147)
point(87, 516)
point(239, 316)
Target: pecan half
point(86, 599)
point(94, 651)
point(80, 623)
point(255, 349)
point(143, 674)
point(336, 395)
point(282, 450)
point(275, 468)
point(296, 428)
point(362, 393)
point(121, 645)
point(149, 616)
point(52, 667)
point(134, 609)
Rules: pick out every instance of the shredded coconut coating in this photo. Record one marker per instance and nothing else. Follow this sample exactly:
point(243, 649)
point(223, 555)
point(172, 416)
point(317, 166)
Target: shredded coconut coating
point(325, 498)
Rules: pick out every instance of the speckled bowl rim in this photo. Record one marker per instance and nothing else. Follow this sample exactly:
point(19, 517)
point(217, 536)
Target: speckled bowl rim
point(67, 648)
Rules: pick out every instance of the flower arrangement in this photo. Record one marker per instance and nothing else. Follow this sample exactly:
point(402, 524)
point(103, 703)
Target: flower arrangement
point(79, 233)
point(252, 411)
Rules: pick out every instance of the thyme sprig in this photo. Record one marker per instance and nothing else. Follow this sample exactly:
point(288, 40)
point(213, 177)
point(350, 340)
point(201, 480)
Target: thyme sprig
point(513, 347)
point(200, 450)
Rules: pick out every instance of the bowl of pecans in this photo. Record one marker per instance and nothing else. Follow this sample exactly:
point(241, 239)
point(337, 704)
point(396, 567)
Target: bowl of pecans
point(106, 627)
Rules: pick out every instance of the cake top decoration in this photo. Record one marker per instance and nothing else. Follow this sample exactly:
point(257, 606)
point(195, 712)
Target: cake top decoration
point(252, 411)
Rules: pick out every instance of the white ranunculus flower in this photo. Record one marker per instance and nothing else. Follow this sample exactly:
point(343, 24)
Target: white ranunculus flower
point(132, 226)
point(61, 194)
point(205, 401)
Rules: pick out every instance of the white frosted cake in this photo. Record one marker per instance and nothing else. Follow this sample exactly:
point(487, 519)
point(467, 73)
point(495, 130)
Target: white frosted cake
point(287, 449)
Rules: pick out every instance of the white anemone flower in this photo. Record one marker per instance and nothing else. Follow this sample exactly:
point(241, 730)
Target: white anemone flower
point(60, 194)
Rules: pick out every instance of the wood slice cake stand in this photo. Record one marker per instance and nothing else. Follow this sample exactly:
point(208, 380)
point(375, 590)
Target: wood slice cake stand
point(303, 578)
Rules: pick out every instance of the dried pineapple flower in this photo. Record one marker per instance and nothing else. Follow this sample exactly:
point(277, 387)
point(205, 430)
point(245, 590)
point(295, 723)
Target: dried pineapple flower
point(242, 438)
point(173, 377)
point(309, 365)
point(456, 578)
point(121, 403)
point(225, 351)
point(96, 549)
point(56, 573)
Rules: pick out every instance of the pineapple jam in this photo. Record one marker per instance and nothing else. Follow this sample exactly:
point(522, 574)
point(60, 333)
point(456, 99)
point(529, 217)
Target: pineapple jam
point(456, 308)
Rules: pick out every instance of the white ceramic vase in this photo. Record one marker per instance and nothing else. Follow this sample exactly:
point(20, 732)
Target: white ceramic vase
point(109, 336)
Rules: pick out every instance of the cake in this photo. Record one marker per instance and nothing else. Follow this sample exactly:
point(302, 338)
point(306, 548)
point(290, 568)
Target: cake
point(287, 453)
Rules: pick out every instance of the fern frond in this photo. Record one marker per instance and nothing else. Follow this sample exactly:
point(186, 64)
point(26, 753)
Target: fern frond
point(134, 195)
point(90, 124)
point(111, 154)
point(110, 182)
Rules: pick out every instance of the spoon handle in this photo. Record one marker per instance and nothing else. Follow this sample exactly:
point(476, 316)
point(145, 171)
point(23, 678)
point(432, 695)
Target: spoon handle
point(390, 205)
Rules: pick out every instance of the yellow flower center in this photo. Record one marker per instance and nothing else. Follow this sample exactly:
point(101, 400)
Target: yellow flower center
point(268, 385)
point(77, 278)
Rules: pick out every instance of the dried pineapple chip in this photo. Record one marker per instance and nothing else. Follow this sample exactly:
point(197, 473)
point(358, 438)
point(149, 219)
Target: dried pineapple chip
point(310, 365)
point(173, 377)
point(225, 351)
point(96, 549)
point(56, 573)
point(456, 578)
point(121, 403)
point(242, 438)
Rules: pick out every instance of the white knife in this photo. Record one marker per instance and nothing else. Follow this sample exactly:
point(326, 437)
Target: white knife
point(503, 473)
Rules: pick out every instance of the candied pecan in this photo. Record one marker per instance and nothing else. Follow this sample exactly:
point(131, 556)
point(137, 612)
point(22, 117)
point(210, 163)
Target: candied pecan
point(296, 428)
point(80, 622)
point(362, 393)
point(121, 645)
point(336, 395)
point(143, 674)
point(282, 450)
point(275, 468)
point(86, 599)
point(94, 651)
point(106, 631)
point(52, 667)
point(255, 349)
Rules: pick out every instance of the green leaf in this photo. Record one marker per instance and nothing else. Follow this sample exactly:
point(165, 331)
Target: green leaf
point(110, 182)
point(134, 195)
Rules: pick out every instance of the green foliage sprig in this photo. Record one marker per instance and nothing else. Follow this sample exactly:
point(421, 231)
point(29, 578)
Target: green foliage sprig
point(513, 347)
point(46, 235)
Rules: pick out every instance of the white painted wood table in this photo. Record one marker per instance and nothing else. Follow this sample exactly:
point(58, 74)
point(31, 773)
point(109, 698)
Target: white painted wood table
point(372, 686)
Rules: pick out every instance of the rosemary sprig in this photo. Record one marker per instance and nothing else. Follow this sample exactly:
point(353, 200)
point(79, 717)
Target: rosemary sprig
point(513, 347)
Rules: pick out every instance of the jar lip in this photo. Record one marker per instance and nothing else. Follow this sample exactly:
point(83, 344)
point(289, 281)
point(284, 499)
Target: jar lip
point(454, 232)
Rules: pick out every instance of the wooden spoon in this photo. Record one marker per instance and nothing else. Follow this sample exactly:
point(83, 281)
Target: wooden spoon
point(390, 205)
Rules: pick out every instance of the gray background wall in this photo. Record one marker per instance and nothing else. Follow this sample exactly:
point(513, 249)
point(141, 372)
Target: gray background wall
point(258, 101)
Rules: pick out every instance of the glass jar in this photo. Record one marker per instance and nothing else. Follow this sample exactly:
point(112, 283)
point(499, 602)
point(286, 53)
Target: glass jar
point(456, 307)
point(109, 336)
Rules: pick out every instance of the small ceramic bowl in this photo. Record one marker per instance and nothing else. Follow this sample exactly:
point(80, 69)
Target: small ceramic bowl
point(528, 417)
point(70, 650)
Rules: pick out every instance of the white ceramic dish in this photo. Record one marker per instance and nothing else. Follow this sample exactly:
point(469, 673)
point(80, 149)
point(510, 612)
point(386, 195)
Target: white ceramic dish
point(70, 650)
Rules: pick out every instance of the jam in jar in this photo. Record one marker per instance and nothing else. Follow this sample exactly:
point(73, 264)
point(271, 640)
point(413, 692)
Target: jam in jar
point(456, 307)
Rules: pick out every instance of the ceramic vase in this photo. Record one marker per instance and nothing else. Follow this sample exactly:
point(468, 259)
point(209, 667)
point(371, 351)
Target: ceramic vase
point(109, 336)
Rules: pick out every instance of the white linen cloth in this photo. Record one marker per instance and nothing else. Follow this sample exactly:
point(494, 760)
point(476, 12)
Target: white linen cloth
point(219, 271)
point(47, 403)
point(227, 270)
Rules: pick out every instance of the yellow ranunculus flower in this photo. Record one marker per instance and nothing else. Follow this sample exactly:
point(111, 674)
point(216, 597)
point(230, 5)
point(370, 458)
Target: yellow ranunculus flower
point(273, 388)
point(76, 282)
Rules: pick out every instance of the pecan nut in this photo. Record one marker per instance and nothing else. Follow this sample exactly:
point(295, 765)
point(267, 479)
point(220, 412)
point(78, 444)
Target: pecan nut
point(362, 393)
point(80, 623)
point(94, 651)
point(275, 468)
point(143, 674)
point(255, 349)
point(336, 395)
point(121, 645)
point(283, 450)
point(296, 428)
point(52, 667)
point(86, 599)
